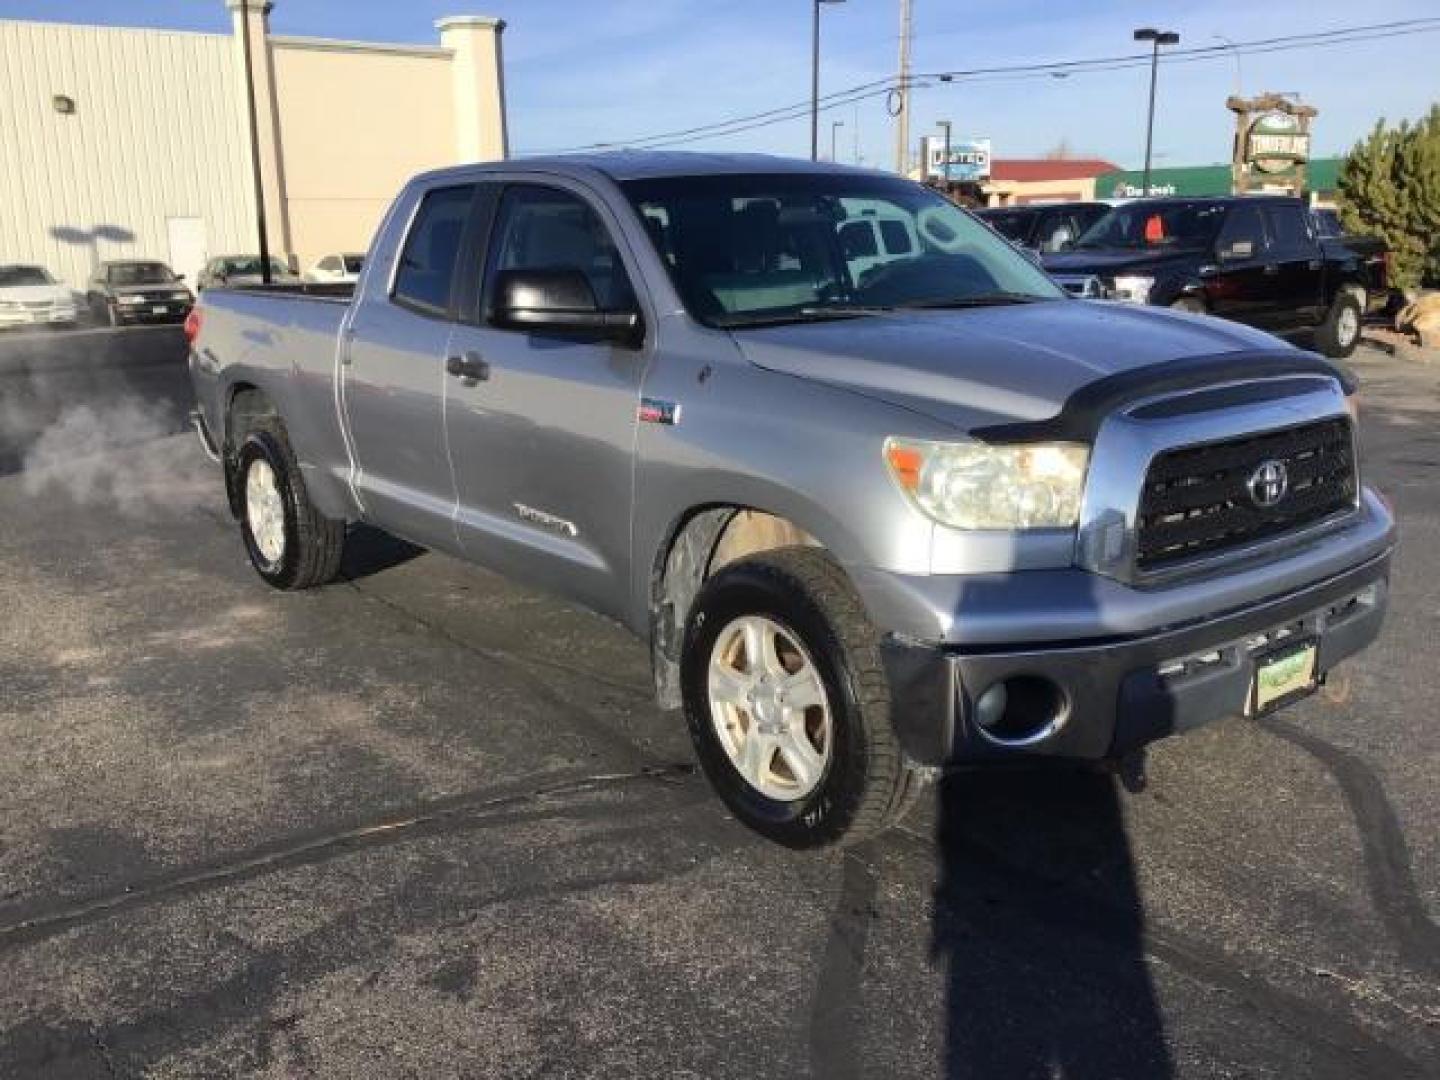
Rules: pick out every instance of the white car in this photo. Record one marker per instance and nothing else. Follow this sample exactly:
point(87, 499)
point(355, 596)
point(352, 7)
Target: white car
point(337, 268)
point(29, 296)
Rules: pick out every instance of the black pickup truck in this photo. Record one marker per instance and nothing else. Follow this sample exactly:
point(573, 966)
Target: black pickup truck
point(1255, 259)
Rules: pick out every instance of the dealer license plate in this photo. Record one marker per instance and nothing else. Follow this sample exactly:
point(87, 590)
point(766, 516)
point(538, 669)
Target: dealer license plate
point(159, 309)
point(1283, 676)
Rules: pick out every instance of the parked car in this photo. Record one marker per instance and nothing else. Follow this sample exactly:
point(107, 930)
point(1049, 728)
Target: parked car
point(1043, 227)
point(871, 525)
point(243, 270)
point(29, 296)
point(137, 291)
point(1254, 259)
point(337, 269)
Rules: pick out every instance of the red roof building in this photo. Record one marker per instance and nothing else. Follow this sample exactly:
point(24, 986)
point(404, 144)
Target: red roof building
point(1047, 170)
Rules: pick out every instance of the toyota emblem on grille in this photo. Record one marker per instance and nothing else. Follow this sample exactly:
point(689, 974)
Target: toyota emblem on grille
point(1268, 484)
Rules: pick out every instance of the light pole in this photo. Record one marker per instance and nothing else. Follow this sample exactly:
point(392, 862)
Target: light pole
point(945, 161)
point(835, 125)
point(815, 77)
point(1156, 39)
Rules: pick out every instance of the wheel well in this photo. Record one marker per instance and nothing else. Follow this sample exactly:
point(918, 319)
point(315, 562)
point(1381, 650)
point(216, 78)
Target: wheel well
point(704, 541)
point(246, 405)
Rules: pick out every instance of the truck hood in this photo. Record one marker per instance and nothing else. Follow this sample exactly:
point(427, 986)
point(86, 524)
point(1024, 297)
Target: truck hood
point(32, 294)
point(993, 365)
point(1106, 261)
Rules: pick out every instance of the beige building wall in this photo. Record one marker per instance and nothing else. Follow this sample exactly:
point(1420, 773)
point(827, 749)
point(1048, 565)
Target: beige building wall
point(355, 122)
point(157, 136)
point(1018, 192)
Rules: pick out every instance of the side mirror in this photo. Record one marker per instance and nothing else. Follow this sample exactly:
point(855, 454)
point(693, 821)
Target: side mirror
point(560, 301)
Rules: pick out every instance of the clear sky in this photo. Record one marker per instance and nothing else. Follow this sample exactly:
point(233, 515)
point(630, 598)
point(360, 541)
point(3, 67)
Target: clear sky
point(614, 70)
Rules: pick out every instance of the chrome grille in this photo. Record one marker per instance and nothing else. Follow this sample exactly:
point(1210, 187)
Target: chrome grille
point(1197, 502)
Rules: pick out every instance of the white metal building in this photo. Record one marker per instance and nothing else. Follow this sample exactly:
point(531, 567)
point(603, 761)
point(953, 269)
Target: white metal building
point(121, 143)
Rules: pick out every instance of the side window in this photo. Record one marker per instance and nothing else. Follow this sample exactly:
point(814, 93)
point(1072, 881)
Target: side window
point(540, 228)
point(1243, 235)
point(427, 262)
point(1288, 228)
point(1056, 230)
point(896, 237)
point(330, 264)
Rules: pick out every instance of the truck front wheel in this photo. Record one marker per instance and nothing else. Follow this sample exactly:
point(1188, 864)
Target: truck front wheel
point(788, 704)
point(1338, 335)
point(290, 543)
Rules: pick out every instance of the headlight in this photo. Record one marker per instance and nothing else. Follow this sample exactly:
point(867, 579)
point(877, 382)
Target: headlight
point(182, 294)
point(976, 486)
point(130, 300)
point(1133, 288)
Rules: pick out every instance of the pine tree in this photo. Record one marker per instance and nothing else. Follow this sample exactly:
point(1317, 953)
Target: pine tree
point(1390, 188)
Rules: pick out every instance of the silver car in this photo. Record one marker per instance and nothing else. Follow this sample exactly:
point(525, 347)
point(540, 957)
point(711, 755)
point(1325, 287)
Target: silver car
point(877, 509)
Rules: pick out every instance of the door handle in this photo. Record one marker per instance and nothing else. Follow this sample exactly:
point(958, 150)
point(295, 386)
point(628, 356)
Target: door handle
point(468, 367)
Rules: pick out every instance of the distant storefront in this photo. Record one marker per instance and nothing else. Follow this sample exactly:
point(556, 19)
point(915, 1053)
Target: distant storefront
point(1323, 177)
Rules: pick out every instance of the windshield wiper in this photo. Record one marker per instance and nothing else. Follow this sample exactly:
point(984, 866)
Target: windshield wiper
point(987, 299)
point(805, 314)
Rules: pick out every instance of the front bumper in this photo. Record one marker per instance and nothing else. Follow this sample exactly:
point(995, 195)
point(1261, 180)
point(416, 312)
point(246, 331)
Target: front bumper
point(52, 316)
point(167, 311)
point(1117, 695)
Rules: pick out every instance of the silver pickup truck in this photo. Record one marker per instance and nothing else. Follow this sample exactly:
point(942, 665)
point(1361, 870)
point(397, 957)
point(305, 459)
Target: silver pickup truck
point(881, 497)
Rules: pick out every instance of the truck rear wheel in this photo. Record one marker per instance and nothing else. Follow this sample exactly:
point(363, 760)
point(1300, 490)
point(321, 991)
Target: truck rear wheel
point(289, 542)
point(788, 704)
point(1338, 335)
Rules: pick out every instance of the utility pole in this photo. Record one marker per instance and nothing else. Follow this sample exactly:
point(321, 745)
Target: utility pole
point(902, 117)
point(945, 161)
point(255, 145)
point(815, 76)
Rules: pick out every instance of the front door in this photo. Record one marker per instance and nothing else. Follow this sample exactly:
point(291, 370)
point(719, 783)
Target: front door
point(541, 425)
point(1241, 285)
point(1298, 271)
point(393, 364)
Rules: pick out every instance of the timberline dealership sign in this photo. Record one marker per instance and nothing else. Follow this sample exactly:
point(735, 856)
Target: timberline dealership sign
point(1276, 144)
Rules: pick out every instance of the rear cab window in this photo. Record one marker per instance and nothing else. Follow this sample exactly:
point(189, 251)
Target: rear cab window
point(1289, 227)
point(425, 276)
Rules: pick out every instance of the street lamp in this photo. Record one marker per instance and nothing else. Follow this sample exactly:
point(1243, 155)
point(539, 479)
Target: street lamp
point(1156, 39)
point(945, 161)
point(815, 78)
point(835, 125)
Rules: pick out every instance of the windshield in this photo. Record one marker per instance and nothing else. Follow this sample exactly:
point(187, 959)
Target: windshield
point(140, 274)
point(353, 263)
point(23, 275)
point(250, 264)
point(1156, 226)
point(751, 249)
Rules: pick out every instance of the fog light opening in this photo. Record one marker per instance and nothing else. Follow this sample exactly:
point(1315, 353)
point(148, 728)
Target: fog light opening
point(1020, 711)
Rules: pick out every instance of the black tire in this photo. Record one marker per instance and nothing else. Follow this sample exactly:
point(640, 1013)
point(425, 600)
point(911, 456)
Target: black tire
point(1338, 335)
point(1193, 304)
point(867, 784)
point(313, 544)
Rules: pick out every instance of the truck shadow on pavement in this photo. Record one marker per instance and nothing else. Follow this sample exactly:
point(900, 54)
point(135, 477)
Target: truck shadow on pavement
point(1039, 926)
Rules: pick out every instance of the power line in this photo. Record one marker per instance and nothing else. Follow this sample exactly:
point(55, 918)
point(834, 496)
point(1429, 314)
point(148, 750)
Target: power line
point(736, 125)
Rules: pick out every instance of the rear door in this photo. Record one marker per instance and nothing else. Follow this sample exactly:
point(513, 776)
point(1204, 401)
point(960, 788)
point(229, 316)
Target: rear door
point(542, 441)
point(394, 381)
point(1241, 284)
point(1298, 270)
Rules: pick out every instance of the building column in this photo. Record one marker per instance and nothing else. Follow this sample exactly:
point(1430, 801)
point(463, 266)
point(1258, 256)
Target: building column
point(478, 82)
point(265, 132)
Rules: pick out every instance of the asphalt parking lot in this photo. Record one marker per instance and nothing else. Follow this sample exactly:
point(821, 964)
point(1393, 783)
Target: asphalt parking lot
point(423, 823)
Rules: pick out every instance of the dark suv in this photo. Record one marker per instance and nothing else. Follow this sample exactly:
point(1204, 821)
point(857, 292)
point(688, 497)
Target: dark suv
point(1254, 259)
point(137, 291)
point(1044, 227)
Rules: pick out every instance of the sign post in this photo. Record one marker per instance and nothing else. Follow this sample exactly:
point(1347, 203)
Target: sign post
point(1272, 144)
